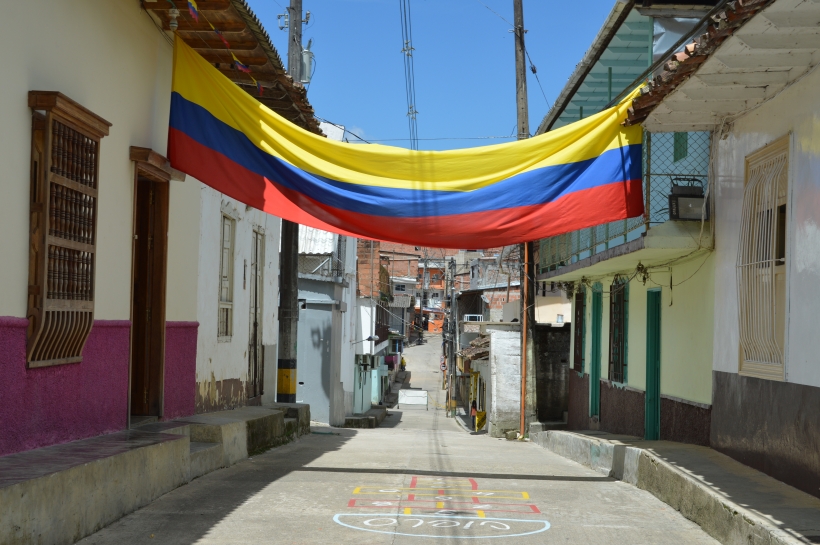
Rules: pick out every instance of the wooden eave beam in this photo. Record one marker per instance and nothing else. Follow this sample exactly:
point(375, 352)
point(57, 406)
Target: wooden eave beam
point(198, 41)
point(224, 56)
point(62, 105)
point(182, 5)
point(187, 25)
point(155, 165)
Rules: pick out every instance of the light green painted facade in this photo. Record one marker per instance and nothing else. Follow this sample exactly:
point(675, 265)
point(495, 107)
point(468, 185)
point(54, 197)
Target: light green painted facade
point(687, 318)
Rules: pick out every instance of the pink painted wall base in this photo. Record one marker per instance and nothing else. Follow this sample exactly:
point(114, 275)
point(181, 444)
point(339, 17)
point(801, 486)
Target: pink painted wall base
point(49, 405)
point(180, 369)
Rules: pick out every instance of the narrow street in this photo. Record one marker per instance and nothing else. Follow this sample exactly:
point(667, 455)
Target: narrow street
point(418, 476)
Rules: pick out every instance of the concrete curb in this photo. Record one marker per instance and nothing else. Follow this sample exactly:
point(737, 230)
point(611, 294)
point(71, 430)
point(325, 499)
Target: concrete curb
point(719, 517)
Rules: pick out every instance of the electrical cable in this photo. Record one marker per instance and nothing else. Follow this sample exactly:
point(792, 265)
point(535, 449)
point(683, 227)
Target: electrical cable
point(409, 71)
point(159, 28)
point(343, 128)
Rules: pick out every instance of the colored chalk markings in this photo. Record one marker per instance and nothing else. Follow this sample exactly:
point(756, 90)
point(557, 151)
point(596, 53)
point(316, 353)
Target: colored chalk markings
point(442, 508)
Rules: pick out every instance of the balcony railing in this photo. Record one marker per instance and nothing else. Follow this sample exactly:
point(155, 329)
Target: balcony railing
point(668, 159)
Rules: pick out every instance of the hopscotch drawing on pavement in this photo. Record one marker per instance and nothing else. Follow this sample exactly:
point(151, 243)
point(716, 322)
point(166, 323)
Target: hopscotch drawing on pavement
point(442, 508)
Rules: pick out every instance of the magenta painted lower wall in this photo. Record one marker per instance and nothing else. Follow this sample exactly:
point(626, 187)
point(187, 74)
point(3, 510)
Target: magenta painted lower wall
point(180, 369)
point(49, 405)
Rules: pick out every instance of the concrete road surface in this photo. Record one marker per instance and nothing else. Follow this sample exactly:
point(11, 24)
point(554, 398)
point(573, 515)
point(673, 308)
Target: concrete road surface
point(420, 478)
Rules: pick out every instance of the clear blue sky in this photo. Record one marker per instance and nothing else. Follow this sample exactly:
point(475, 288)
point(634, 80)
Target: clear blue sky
point(464, 63)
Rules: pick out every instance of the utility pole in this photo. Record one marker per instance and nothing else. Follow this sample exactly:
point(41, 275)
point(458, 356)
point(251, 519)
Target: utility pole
point(289, 261)
point(451, 321)
point(527, 311)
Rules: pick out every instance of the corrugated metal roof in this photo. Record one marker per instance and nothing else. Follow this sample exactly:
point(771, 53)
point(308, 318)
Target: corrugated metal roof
point(316, 241)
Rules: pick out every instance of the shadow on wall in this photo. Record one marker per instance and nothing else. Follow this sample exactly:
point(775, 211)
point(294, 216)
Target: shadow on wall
point(320, 339)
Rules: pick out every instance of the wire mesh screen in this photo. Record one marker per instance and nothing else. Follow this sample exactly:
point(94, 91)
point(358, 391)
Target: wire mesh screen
point(673, 158)
point(327, 265)
point(668, 159)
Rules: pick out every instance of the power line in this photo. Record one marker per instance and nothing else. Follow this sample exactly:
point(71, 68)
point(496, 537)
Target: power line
point(532, 64)
point(409, 72)
point(495, 12)
point(343, 128)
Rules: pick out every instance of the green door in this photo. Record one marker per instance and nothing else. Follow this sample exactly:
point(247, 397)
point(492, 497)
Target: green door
point(653, 365)
point(595, 360)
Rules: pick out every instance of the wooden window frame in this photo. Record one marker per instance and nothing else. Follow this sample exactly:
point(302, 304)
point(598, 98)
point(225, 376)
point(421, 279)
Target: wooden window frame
point(758, 321)
point(226, 304)
point(64, 180)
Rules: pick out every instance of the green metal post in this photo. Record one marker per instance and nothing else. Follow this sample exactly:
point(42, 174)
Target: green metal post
point(595, 360)
point(652, 428)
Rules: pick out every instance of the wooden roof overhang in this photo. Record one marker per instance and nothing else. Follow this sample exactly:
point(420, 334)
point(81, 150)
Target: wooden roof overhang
point(751, 51)
point(252, 46)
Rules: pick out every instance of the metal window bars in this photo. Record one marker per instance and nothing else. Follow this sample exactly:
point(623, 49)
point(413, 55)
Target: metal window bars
point(760, 265)
point(660, 170)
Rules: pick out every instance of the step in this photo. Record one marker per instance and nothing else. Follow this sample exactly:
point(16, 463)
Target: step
point(299, 411)
point(172, 426)
point(205, 457)
point(62, 493)
point(536, 427)
point(137, 421)
point(242, 432)
point(378, 412)
point(360, 421)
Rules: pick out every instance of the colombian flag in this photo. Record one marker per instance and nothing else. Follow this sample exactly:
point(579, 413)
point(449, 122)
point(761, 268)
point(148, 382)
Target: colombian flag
point(585, 174)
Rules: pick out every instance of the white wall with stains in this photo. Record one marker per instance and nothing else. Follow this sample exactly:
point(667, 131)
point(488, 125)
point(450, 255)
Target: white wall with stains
point(222, 364)
point(795, 111)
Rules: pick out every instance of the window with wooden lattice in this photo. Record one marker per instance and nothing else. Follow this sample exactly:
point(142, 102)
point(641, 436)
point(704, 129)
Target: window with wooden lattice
point(65, 147)
point(618, 329)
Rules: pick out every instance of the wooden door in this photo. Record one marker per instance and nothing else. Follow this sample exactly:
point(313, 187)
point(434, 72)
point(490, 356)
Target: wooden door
point(148, 305)
point(652, 428)
point(255, 365)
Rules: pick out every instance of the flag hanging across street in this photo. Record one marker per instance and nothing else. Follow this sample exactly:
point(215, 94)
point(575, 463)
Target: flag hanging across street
point(587, 173)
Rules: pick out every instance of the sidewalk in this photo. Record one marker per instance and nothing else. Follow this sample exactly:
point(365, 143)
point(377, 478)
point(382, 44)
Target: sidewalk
point(61, 493)
point(732, 502)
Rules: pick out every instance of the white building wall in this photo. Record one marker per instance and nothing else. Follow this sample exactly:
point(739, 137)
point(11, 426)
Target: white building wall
point(797, 111)
point(222, 366)
point(119, 67)
point(349, 320)
point(505, 370)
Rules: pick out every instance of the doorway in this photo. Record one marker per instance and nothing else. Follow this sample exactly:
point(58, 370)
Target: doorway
point(255, 354)
point(652, 429)
point(148, 304)
point(595, 361)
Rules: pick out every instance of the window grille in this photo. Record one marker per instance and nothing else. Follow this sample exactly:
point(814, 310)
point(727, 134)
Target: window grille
point(761, 262)
point(618, 319)
point(579, 331)
point(226, 279)
point(400, 287)
point(65, 148)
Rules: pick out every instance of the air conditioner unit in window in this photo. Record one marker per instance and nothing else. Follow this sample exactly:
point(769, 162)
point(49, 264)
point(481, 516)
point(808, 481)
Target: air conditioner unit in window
point(686, 203)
